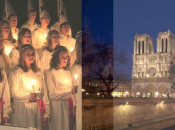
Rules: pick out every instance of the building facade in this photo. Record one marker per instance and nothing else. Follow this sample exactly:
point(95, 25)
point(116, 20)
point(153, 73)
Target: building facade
point(150, 76)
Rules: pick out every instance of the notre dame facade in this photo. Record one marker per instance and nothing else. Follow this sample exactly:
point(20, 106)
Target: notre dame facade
point(150, 69)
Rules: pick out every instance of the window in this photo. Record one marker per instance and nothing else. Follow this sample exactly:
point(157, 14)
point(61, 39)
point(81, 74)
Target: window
point(166, 45)
point(143, 47)
point(162, 45)
point(139, 48)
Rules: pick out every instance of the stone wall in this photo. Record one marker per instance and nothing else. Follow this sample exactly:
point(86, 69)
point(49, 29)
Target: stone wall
point(105, 113)
point(97, 113)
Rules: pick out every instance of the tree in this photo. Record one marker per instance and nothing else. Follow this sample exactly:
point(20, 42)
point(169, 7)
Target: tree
point(100, 61)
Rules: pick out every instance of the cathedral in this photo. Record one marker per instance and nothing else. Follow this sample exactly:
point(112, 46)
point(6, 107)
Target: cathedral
point(150, 75)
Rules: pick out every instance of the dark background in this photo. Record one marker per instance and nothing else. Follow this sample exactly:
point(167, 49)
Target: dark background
point(73, 7)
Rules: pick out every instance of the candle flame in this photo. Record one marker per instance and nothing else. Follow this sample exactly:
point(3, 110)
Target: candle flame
point(33, 82)
point(76, 76)
point(45, 35)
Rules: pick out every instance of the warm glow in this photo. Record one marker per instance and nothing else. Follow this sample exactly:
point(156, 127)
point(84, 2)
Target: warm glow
point(98, 94)
point(33, 82)
point(157, 93)
point(83, 90)
point(87, 93)
point(137, 93)
point(126, 92)
point(72, 49)
point(45, 35)
point(76, 76)
point(7, 50)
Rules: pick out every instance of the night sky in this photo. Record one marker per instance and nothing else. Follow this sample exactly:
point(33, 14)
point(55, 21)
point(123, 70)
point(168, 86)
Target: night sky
point(100, 18)
point(73, 8)
point(142, 17)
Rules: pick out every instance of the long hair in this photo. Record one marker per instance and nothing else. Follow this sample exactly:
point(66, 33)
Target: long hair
point(4, 56)
point(55, 60)
point(22, 62)
point(49, 39)
point(21, 35)
point(10, 38)
point(78, 48)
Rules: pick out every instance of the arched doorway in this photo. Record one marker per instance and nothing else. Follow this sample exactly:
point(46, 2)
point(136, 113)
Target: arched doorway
point(150, 90)
point(139, 91)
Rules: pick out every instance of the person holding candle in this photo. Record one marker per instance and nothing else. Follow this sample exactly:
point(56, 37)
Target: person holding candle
point(7, 35)
point(24, 37)
point(46, 53)
point(4, 59)
point(59, 83)
point(65, 39)
point(39, 35)
point(76, 71)
point(5, 107)
point(28, 108)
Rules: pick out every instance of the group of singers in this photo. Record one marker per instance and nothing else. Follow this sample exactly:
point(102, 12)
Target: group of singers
point(40, 74)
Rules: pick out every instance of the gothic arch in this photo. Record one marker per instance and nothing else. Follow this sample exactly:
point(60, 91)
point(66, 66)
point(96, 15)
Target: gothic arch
point(162, 89)
point(150, 88)
point(139, 89)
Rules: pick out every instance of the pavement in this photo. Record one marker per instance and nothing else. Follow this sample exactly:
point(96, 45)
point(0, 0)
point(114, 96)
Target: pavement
point(143, 122)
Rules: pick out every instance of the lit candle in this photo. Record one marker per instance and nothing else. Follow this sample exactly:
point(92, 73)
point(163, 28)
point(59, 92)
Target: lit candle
point(45, 35)
point(33, 82)
point(76, 79)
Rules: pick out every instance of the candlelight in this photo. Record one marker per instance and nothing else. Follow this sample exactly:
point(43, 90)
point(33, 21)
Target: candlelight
point(33, 82)
point(72, 49)
point(83, 90)
point(45, 35)
point(76, 76)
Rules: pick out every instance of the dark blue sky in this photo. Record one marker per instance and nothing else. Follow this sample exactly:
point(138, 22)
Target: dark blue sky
point(100, 17)
point(142, 17)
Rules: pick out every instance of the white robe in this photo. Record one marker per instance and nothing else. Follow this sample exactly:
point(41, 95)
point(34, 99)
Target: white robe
point(77, 69)
point(3, 65)
point(59, 84)
point(27, 114)
point(72, 57)
point(30, 26)
point(45, 57)
point(15, 33)
point(14, 56)
point(56, 26)
point(68, 42)
point(38, 38)
point(5, 95)
point(8, 47)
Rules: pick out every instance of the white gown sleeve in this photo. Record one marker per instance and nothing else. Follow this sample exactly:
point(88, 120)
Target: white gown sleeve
point(16, 93)
point(14, 58)
point(34, 39)
point(53, 92)
point(42, 60)
point(6, 96)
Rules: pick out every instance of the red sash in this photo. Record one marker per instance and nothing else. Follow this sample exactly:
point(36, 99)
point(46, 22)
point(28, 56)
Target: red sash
point(42, 109)
point(70, 105)
point(1, 108)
